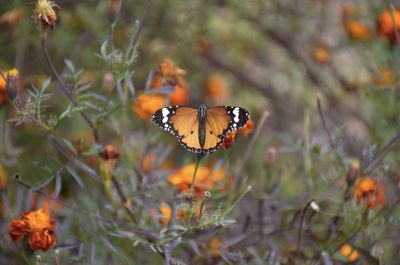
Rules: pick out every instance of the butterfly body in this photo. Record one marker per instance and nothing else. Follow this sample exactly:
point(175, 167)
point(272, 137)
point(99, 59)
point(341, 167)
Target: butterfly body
point(200, 130)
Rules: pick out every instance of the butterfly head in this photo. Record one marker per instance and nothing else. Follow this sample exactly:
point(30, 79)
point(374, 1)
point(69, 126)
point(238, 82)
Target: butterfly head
point(202, 110)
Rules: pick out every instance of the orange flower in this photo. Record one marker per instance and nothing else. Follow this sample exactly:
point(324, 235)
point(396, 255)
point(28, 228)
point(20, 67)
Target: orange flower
point(3, 179)
point(385, 25)
point(11, 76)
point(205, 179)
point(164, 213)
point(44, 13)
point(369, 192)
point(350, 253)
point(216, 88)
point(321, 53)
point(383, 78)
point(145, 105)
point(215, 247)
point(247, 128)
point(37, 226)
point(169, 74)
point(148, 162)
point(180, 96)
point(357, 29)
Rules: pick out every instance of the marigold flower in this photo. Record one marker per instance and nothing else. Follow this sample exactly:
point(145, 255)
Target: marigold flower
point(164, 213)
point(37, 226)
point(321, 53)
point(385, 26)
point(44, 13)
point(216, 88)
point(215, 247)
point(350, 253)
point(169, 74)
point(3, 179)
point(11, 76)
point(146, 104)
point(229, 140)
point(369, 192)
point(357, 29)
point(383, 78)
point(205, 179)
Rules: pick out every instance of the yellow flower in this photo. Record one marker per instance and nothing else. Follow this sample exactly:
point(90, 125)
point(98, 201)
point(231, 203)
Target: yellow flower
point(37, 226)
point(7, 76)
point(44, 13)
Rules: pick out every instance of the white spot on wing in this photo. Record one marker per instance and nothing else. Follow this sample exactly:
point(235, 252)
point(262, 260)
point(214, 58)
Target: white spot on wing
point(236, 113)
point(165, 113)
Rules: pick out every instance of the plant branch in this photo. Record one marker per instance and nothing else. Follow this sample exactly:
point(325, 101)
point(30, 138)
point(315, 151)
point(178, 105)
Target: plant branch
point(64, 88)
point(135, 38)
point(331, 141)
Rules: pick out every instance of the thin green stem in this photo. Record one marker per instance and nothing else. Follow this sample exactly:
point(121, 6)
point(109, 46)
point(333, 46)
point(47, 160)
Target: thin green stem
point(199, 157)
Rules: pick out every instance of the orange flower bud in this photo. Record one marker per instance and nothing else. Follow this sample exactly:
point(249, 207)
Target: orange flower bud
point(321, 54)
point(357, 29)
point(350, 253)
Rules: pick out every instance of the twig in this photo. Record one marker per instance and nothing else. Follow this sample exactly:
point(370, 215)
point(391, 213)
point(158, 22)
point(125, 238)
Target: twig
point(74, 162)
point(26, 185)
point(135, 39)
point(380, 155)
point(331, 141)
point(123, 198)
point(300, 229)
point(64, 88)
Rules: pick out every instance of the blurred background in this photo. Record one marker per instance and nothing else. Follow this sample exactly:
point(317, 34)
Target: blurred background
point(266, 56)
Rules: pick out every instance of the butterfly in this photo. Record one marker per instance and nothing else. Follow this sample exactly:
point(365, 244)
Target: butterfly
point(200, 130)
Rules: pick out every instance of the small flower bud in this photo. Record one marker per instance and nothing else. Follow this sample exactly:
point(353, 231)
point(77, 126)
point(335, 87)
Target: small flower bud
point(270, 155)
point(353, 173)
point(114, 7)
point(207, 194)
point(107, 83)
